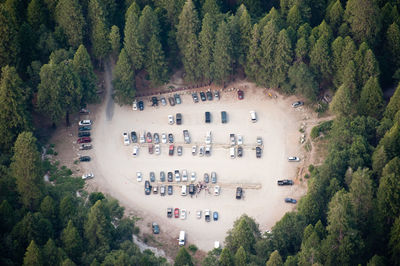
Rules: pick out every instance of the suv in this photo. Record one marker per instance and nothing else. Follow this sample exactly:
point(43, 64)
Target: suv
point(206, 178)
point(169, 212)
point(223, 117)
point(126, 138)
point(290, 200)
point(239, 193)
point(84, 158)
point(178, 118)
point(177, 98)
point(207, 215)
point(141, 105)
point(208, 117)
point(258, 152)
point(232, 138)
point(186, 136)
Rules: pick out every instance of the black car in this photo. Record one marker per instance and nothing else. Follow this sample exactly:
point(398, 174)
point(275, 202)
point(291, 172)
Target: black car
point(258, 152)
point(240, 151)
point(85, 128)
point(179, 119)
point(192, 189)
point(154, 101)
point(239, 193)
point(209, 95)
point(84, 134)
point(171, 101)
point(141, 105)
point(170, 138)
point(290, 200)
point(223, 117)
point(207, 117)
point(152, 177)
point(195, 97)
point(170, 177)
point(203, 96)
point(147, 187)
point(162, 176)
point(133, 137)
point(170, 190)
point(177, 98)
point(206, 178)
point(285, 182)
point(84, 158)
point(156, 138)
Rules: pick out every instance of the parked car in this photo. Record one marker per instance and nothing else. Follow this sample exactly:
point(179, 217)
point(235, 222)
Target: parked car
point(126, 138)
point(156, 138)
point(209, 95)
point(163, 101)
point(158, 149)
point(85, 146)
point(259, 141)
point(177, 176)
point(203, 96)
point(285, 182)
point(213, 177)
point(239, 139)
point(253, 116)
point(290, 200)
point(134, 105)
point(240, 94)
point(239, 193)
point(133, 137)
point(164, 138)
point(84, 140)
point(193, 176)
point(186, 136)
point(139, 176)
point(84, 111)
point(179, 150)
point(223, 117)
point(201, 151)
point(198, 214)
point(171, 101)
point(84, 158)
point(184, 175)
point(85, 123)
point(171, 150)
point(258, 152)
point(170, 138)
point(215, 216)
point(207, 117)
point(217, 190)
point(240, 151)
point(169, 212)
point(87, 176)
point(154, 101)
point(192, 189)
point(297, 104)
point(135, 151)
point(155, 189)
point(151, 148)
point(147, 187)
point(194, 150)
point(156, 228)
point(152, 177)
point(170, 177)
point(141, 105)
point(142, 138)
point(206, 178)
point(176, 212)
point(149, 138)
point(179, 119)
point(84, 128)
point(177, 98)
point(293, 159)
point(195, 97)
point(216, 95)
point(232, 139)
point(162, 176)
point(183, 214)
point(162, 190)
point(171, 119)
point(207, 215)
point(170, 190)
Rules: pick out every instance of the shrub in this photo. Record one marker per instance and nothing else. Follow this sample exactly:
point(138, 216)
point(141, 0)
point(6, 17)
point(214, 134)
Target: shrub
point(193, 248)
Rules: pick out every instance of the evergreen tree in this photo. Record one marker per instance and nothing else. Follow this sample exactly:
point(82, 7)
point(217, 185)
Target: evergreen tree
point(222, 54)
point(302, 49)
point(349, 80)
point(341, 103)
point(124, 80)
point(245, 27)
point(207, 43)
point(394, 242)
point(51, 253)
point(379, 159)
point(294, 18)
point(132, 40)
point(241, 236)
point(268, 48)
point(303, 80)
point(240, 257)
point(67, 209)
point(310, 252)
point(115, 40)
point(190, 59)
point(335, 15)
point(320, 59)
point(36, 14)
point(26, 169)
point(48, 208)
point(394, 104)
point(274, 259)
point(148, 26)
point(70, 18)
point(392, 46)
point(253, 64)
point(9, 47)
point(371, 100)
point(99, 32)
point(32, 255)
point(68, 262)
point(72, 242)
point(367, 66)
point(226, 258)
point(212, 7)
point(337, 50)
point(14, 116)
point(84, 68)
point(155, 63)
point(283, 59)
point(183, 258)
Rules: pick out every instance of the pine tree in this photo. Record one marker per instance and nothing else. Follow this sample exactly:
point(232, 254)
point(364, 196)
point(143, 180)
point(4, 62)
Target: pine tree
point(115, 40)
point(207, 43)
point(310, 252)
point(190, 59)
point(294, 18)
point(341, 103)
point(155, 63)
point(349, 80)
point(245, 27)
point(72, 242)
point(274, 259)
point(124, 80)
point(212, 7)
point(70, 18)
point(183, 258)
point(337, 50)
point(268, 47)
point(320, 59)
point(84, 68)
point(9, 46)
point(26, 169)
point(14, 116)
point(222, 54)
point(148, 26)
point(51, 253)
point(36, 14)
point(394, 242)
point(335, 15)
point(303, 80)
point(32, 255)
point(253, 64)
point(371, 101)
point(367, 67)
point(132, 40)
point(392, 45)
point(394, 104)
point(283, 59)
point(240, 257)
point(188, 25)
point(99, 32)
point(226, 258)
point(48, 208)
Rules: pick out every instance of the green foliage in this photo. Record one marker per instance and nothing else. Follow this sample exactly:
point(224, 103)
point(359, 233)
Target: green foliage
point(99, 32)
point(371, 100)
point(222, 54)
point(124, 80)
point(341, 103)
point(320, 59)
point(155, 63)
point(294, 18)
point(391, 45)
point(394, 104)
point(268, 46)
point(193, 248)
point(212, 7)
point(207, 42)
point(323, 128)
point(275, 259)
point(244, 234)
point(183, 258)
point(84, 68)
point(115, 40)
point(9, 46)
point(32, 256)
point(283, 59)
point(132, 43)
point(226, 258)
point(36, 14)
point(303, 80)
point(72, 242)
point(245, 27)
point(240, 257)
point(70, 18)
point(394, 242)
point(335, 14)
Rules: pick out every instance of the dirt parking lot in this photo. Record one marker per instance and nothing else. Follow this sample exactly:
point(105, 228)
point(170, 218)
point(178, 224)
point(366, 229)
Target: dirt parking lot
point(278, 124)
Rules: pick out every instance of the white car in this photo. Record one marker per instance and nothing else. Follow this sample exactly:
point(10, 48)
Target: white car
point(193, 176)
point(85, 122)
point(134, 105)
point(142, 138)
point(198, 214)
point(177, 176)
point(164, 138)
point(171, 119)
point(217, 190)
point(239, 139)
point(157, 149)
point(183, 214)
point(135, 152)
point(293, 159)
point(126, 139)
point(194, 150)
point(87, 176)
point(208, 137)
point(184, 176)
point(139, 176)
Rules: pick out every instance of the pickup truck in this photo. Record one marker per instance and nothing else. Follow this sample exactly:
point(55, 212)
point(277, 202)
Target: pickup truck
point(207, 215)
point(85, 146)
point(285, 182)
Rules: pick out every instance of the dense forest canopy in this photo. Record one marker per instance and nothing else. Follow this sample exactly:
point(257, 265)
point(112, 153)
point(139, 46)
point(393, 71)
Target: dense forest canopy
point(49, 50)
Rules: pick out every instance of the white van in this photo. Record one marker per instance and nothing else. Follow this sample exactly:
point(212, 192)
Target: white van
point(253, 116)
point(232, 152)
point(181, 239)
point(184, 190)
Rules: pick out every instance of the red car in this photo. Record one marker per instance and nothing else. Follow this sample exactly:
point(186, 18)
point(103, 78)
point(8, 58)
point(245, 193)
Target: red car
point(151, 149)
point(240, 94)
point(171, 150)
point(176, 212)
point(149, 139)
point(84, 140)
